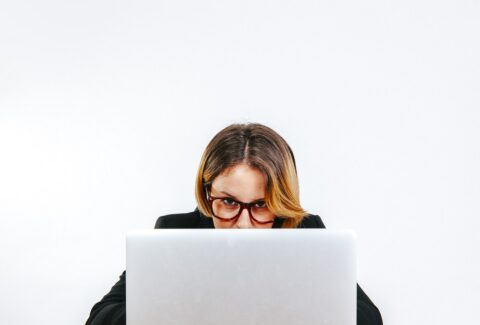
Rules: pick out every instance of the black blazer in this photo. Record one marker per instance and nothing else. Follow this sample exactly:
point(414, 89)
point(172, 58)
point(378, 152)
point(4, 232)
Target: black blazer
point(111, 309)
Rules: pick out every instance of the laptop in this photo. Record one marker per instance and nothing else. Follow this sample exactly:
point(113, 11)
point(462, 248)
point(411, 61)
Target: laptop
point(241, 276)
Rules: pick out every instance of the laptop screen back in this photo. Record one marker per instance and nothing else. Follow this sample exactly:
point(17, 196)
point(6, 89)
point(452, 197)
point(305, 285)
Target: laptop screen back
point(241, 276)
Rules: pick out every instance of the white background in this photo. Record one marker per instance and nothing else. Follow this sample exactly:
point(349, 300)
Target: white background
point(107, 106)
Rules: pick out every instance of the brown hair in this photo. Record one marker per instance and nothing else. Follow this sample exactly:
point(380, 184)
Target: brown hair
point(260, 147)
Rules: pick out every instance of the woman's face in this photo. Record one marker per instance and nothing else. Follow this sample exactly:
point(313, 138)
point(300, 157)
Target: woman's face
point(242, 183)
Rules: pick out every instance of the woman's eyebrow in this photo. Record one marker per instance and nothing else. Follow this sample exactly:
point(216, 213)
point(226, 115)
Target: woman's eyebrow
point(228, 194)
point(233, 196)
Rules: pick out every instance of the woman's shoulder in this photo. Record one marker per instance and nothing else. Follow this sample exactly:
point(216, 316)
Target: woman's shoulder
point(311, 221)
point(187, 220)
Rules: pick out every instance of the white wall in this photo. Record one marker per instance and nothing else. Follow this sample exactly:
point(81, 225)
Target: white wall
point(106, 107)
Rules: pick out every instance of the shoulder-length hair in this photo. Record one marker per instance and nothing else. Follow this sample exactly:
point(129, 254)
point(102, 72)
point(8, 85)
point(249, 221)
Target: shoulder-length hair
point(260, 147)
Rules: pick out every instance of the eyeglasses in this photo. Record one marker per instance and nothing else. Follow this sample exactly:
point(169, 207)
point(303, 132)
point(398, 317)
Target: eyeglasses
point(228, 209)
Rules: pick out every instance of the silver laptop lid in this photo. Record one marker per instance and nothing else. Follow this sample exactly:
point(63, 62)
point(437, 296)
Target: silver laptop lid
point(241, 276)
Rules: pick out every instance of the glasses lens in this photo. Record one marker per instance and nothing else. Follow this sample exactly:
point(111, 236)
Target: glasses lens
point(225, 208)
point(261, 213)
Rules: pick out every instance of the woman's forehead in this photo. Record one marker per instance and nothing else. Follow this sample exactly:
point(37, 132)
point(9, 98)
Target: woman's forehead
point(241, 181)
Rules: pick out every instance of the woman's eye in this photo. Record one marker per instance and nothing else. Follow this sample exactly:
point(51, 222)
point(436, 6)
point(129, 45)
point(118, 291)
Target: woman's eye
point(228, 201)
point(260, 204)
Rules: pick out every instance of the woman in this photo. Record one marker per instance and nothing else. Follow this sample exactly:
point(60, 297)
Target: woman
point(247, 178)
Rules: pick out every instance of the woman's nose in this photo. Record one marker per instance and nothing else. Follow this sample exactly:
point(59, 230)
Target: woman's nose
point(243, 220)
